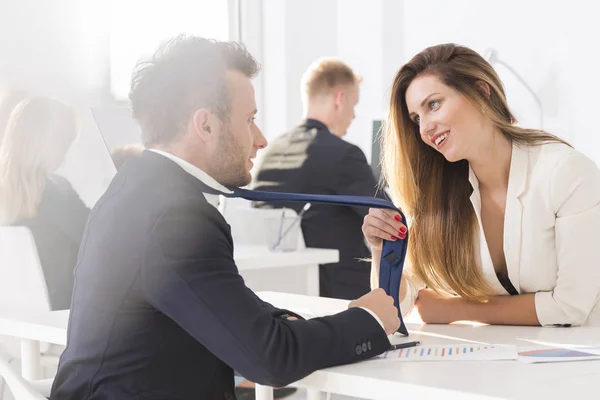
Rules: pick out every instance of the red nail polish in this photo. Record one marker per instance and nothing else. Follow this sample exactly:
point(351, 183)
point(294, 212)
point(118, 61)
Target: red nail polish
point(393, 237)
point(403, 229)
point(402, 237)
point(398, 218)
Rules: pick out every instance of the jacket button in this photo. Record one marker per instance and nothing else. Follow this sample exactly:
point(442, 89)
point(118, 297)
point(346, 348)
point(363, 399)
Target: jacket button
point(369, 345)
point(358, 350)
point(364, 347)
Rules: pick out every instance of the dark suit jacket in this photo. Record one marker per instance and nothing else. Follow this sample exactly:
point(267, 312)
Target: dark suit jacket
point(310, 159)
point(160, 311)
point(57, 229)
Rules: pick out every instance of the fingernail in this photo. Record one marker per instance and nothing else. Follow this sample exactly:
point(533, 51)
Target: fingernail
point(398, 218)
point(402, 236)
point(402, 229)
point(393, 237)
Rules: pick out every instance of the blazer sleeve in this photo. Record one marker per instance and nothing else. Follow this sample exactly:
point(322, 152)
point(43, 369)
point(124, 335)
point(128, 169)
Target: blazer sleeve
point(357, 179)
point(189, 275)
point(575, 197)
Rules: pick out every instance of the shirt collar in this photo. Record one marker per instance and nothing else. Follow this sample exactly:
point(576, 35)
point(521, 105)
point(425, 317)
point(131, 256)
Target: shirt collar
point(313, 123)
point(197, 173)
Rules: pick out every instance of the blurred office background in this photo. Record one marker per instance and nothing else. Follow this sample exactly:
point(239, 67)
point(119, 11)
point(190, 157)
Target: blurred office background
point(82, 52)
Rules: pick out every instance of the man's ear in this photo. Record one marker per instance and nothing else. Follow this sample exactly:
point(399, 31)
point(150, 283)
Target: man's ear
point(338, 97)
point(484, 88)
point(204, 124)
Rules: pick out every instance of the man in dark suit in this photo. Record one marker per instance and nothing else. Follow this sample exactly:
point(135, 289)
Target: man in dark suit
point(159, 309)
point(313, 158)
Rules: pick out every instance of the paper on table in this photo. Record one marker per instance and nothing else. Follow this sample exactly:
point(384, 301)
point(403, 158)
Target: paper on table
point(537, 354)
point(462, 352)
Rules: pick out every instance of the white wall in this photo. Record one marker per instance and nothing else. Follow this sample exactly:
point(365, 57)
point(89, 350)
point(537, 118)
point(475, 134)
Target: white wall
point(60, 49)
point(295, 33)
point(550, 43)
point(55, 48)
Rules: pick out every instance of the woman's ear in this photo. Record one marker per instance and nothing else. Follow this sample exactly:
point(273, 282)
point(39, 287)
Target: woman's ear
point(485, 88)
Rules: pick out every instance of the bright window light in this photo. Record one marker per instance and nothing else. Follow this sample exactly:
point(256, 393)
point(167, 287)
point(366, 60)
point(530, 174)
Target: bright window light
point(138, 27)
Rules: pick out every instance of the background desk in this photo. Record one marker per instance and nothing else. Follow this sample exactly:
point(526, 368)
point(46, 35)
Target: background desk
point(454, 380)
point(290, 272)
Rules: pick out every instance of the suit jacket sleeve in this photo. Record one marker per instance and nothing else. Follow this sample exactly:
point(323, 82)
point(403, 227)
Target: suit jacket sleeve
point(189, 274)
point(357, 179)
point(575, 197)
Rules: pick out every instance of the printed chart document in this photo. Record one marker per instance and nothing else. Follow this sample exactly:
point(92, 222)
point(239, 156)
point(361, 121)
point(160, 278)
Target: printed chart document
point(480, 352)
point(468, 352)
point(544, 354)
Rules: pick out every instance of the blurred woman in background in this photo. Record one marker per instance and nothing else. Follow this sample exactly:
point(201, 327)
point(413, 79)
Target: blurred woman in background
point(38, 134)
point(9, 98)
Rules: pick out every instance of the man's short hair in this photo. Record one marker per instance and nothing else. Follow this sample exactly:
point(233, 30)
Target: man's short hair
point(185, 74)
point(325, 74)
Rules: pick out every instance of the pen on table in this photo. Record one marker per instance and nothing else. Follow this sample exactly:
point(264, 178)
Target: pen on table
point(404, 345)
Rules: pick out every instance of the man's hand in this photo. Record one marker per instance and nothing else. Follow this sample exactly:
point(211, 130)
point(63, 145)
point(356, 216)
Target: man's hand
point(382, 305)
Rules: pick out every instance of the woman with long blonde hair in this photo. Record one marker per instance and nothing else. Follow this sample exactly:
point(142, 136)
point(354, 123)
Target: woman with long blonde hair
point(502, 219)
point(38, 135)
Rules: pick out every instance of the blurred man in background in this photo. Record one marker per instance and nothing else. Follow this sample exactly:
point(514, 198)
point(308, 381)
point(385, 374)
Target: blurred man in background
point(313, 158)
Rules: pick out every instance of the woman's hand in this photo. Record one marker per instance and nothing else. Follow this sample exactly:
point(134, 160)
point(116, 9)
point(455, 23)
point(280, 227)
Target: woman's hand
point(382, 224)
point(436, 309)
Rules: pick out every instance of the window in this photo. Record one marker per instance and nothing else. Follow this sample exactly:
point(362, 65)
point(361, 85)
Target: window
point(138, 27)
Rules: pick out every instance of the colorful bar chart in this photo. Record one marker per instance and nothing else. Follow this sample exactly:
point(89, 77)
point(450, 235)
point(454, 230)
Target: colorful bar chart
point(558, 354)
point(474, 352)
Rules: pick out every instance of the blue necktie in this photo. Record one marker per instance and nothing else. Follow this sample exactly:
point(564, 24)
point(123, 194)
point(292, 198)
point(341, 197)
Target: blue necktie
point(393, 253)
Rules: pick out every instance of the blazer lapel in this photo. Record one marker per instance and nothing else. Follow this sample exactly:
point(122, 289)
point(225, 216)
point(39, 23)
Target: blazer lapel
point(484, 258)
point(513, 214)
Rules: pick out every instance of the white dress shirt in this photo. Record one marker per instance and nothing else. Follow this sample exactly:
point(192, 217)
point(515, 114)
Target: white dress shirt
point(213, 199)
point(552, 220)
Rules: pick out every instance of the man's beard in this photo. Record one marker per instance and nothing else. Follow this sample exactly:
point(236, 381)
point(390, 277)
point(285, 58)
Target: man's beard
point(228, 166)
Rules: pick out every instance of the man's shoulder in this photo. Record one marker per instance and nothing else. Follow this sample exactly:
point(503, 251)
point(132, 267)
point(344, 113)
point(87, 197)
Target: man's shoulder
point(154, 185)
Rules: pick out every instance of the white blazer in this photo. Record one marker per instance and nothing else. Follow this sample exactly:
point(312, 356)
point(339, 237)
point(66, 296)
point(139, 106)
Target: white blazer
point(551, 226)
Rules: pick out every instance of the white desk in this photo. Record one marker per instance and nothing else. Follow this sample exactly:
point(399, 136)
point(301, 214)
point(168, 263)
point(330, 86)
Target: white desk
point(287, 271)
point(453, 380)
point(249, 258)
point(33, 328)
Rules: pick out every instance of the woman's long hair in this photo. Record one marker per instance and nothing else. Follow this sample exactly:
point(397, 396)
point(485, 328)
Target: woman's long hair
point(434, 192)
point(38, 134)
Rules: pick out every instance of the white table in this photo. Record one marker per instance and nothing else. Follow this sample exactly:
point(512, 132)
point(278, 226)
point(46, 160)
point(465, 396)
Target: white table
point(33, 328)
point(388, 380)
point(285, 268)
point(248, 258)
point(453, 380)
